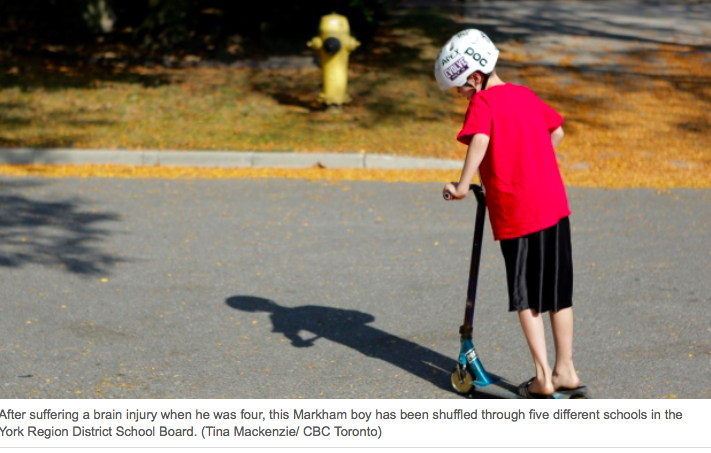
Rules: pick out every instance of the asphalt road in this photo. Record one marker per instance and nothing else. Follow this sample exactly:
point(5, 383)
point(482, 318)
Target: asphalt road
point(285, 288)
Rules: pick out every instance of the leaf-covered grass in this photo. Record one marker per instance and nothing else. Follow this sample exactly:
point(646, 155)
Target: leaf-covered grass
point(648, 122)
point(224, 109)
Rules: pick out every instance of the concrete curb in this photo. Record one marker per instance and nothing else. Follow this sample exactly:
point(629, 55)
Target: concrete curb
point(223, 159)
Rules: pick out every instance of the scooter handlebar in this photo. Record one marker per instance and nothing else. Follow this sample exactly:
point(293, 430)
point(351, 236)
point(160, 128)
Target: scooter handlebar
point(448, 196)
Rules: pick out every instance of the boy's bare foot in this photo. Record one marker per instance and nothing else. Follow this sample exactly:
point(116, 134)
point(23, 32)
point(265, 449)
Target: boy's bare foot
point(537, 387)
point(569, 381)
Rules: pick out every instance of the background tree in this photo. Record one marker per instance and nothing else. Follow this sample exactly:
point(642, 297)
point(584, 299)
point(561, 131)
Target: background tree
point(277, 26)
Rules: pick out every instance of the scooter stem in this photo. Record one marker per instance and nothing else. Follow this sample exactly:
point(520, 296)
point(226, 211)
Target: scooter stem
point(468, 358)
point(466, 329)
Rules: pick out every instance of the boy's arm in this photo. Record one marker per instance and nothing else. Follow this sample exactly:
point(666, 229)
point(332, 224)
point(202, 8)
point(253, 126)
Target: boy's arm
point(475, 154)
point(557, 136)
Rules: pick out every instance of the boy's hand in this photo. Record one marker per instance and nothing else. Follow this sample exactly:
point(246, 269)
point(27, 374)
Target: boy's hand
point(451, 192)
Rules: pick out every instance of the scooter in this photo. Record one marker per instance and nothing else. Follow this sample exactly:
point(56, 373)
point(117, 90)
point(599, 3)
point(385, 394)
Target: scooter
point(469, 374)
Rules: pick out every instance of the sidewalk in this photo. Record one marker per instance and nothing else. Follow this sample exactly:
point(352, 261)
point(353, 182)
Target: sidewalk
point(222, 159)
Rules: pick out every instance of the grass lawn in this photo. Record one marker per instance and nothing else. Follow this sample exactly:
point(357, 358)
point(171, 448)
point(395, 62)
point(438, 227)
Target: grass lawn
point(644, 127)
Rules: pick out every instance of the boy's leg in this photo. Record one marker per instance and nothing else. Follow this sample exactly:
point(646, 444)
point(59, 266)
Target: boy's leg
point(533, 329)
point(564, 375)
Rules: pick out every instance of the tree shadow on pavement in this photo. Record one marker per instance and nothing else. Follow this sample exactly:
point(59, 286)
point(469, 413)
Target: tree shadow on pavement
point(350, 328)
point(52, 233)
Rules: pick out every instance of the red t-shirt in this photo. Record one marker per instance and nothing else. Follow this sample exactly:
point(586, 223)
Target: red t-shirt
point(524, 189)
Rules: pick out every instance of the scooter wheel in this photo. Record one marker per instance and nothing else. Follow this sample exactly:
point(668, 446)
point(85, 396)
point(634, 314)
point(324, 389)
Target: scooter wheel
point(462, 380)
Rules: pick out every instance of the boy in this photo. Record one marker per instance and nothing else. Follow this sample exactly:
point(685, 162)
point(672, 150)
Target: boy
point(511, 136)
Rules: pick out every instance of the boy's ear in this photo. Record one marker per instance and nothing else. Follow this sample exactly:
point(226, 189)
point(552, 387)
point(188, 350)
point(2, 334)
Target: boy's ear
point(476, 78)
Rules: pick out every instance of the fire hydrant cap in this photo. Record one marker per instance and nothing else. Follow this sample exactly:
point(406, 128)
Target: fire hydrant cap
point(334, 23)
point(332, 45)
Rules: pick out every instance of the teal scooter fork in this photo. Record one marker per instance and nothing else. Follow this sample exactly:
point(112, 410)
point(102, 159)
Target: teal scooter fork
point(470, 371)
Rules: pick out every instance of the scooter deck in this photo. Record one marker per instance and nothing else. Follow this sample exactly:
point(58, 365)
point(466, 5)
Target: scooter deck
point(502, 388)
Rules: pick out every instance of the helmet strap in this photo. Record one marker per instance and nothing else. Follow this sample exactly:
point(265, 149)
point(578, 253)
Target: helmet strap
point(486, 81)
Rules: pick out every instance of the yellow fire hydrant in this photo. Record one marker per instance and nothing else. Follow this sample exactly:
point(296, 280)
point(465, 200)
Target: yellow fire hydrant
point(334, 44)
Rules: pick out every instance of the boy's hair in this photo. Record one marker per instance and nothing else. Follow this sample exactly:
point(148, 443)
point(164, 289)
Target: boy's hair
point(467, 52)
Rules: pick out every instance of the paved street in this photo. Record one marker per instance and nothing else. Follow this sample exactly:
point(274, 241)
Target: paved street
point(282, 289)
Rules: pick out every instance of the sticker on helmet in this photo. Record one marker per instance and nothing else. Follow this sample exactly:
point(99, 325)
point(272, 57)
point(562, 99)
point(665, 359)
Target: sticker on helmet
point(449, 57)
point(456, 69)
point(476, 56)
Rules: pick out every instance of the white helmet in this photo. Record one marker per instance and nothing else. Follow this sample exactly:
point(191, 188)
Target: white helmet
point(467, 52)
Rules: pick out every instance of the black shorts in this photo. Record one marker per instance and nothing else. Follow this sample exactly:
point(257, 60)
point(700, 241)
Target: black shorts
point(539, 269)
